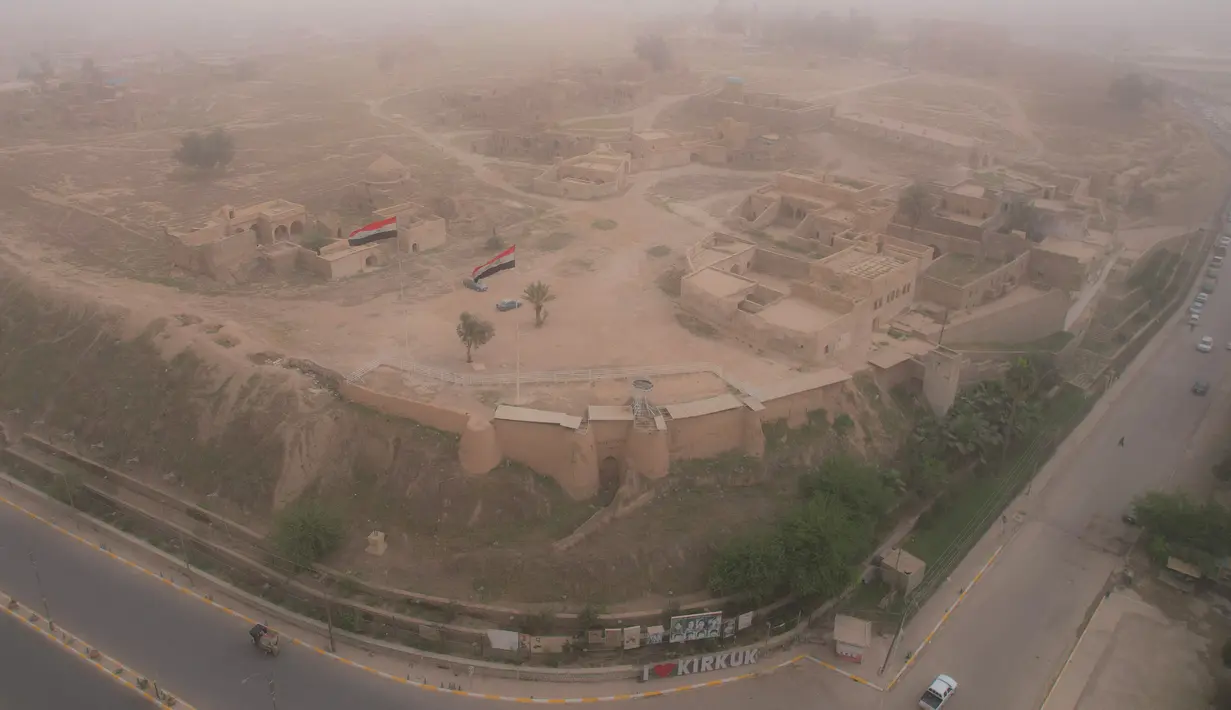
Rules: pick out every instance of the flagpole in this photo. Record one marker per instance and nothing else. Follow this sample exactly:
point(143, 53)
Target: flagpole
point(517, 376)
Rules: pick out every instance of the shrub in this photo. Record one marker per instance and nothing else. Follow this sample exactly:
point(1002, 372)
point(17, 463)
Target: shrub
point(306, 532)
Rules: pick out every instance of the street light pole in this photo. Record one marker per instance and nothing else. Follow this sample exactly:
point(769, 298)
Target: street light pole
point(38, 582)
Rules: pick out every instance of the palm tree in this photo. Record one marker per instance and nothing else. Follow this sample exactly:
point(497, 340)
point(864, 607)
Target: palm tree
point(1020, 383)
point(474, 332)
point(914, 204)
point(538, 294)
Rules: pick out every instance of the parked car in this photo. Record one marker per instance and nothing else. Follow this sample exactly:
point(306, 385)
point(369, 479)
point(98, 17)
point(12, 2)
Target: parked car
point(1208, 285)
point(1205, 345)
point(1196, 307)
point(1203, 297)
point(507, 304)
point(1211, 273)
point(1216, 262)
point(1194, 318)
point(474, 285)
point(1224, 240)
point(1201, 388)
point(938, 692)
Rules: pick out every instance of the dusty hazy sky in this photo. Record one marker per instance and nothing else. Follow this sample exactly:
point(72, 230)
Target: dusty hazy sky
point(26, 21)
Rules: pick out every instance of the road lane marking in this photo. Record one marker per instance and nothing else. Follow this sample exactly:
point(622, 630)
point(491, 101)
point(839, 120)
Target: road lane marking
point(70, 642)
point(420, 685)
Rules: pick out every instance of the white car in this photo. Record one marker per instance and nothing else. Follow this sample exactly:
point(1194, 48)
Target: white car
point(938, 692)
point(1196, 307)
point(1203, 297)
point(1194, 318)
point(1205, 345)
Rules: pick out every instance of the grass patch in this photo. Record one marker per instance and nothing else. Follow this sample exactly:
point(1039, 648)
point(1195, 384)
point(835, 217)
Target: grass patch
point(556, 241)
point(658, 251)
point(605, 224)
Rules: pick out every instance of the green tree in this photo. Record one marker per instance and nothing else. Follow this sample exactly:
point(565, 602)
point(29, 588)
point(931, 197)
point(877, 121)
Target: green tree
point(821, 541)
point(843, 425)
point(445, 208)
point(1023, 216)
point(914, 204)
point(755, 566)
point(860, 486)
point(1185, 524)
point(538, 294)
point(653, 49)
point(206, 151)
point(306, 532)
point(1021, 381)
point(474, 332)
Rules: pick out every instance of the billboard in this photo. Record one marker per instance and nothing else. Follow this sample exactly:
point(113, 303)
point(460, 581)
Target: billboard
point(695, 627)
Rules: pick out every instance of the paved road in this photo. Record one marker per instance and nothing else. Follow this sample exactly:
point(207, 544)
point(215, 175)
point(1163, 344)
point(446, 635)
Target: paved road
point(35, 673)
point(1010, 637)
point(196, 651)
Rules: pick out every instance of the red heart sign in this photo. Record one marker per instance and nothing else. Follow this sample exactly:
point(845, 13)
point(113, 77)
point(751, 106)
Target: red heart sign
point(665, 670)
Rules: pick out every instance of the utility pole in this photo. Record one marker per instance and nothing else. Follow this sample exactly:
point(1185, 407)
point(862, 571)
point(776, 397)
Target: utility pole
point(329, 619)
point(941, 339)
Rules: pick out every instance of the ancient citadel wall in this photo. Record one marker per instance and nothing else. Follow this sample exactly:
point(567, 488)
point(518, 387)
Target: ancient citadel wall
point(570, 454)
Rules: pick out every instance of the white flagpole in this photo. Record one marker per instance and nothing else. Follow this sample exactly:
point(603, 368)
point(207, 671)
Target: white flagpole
point(517, 377)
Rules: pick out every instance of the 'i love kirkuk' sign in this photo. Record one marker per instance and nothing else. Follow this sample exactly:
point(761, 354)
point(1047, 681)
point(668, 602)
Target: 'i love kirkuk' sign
point(700, 664)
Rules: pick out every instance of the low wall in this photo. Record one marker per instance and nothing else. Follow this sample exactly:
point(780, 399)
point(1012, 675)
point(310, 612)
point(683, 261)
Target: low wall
point(1018, 323)
point(441, 418)
point(942, 243)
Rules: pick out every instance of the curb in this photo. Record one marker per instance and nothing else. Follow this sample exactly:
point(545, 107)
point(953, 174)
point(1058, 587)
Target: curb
point(388, 676)
point(106, 664)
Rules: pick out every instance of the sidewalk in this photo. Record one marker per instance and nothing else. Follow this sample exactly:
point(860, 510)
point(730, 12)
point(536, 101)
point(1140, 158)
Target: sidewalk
point(352, 649)
point(1091, 648)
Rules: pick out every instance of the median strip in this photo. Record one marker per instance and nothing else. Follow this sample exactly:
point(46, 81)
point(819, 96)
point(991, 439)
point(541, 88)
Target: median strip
point(115, 670)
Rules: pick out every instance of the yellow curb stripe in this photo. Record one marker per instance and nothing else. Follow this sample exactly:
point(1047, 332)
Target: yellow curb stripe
point(83, 655)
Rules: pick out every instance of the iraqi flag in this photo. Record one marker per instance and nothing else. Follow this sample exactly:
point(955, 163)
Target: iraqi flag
point(504, 260)
point(374, 232)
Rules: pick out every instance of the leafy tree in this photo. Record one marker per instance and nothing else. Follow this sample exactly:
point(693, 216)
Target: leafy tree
point(1202, 528)
point(445, 208)
point(474, 332)
point(1023, 216)
point(206, 151)
point(842, 425)
point(860, 486)
point(822, 541)
point(914, 204)
point(1020, 383)
point(538, 294)
point(755, 566)
point(653, 49)
point(928, 477)
point(306, 532)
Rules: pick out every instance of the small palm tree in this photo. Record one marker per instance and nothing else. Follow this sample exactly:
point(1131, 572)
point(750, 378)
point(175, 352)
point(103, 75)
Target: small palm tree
point(474, 332)
point(914, 204)
point(538, 294)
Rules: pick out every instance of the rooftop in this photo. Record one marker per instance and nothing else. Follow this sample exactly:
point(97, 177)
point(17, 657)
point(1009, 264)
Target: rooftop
point(861, 264)
point(960, 269)
point(798, 315)
point(717, 282)
point(852, 631)
point(1075, 249)
point(970, 189)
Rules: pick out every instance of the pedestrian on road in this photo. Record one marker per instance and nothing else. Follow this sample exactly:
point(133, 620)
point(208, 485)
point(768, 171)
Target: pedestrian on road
point(1121, 441)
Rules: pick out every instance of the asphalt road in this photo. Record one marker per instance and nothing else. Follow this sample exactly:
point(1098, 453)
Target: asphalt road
point(35, 673)
point(195, 651)
point(1011, 636)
